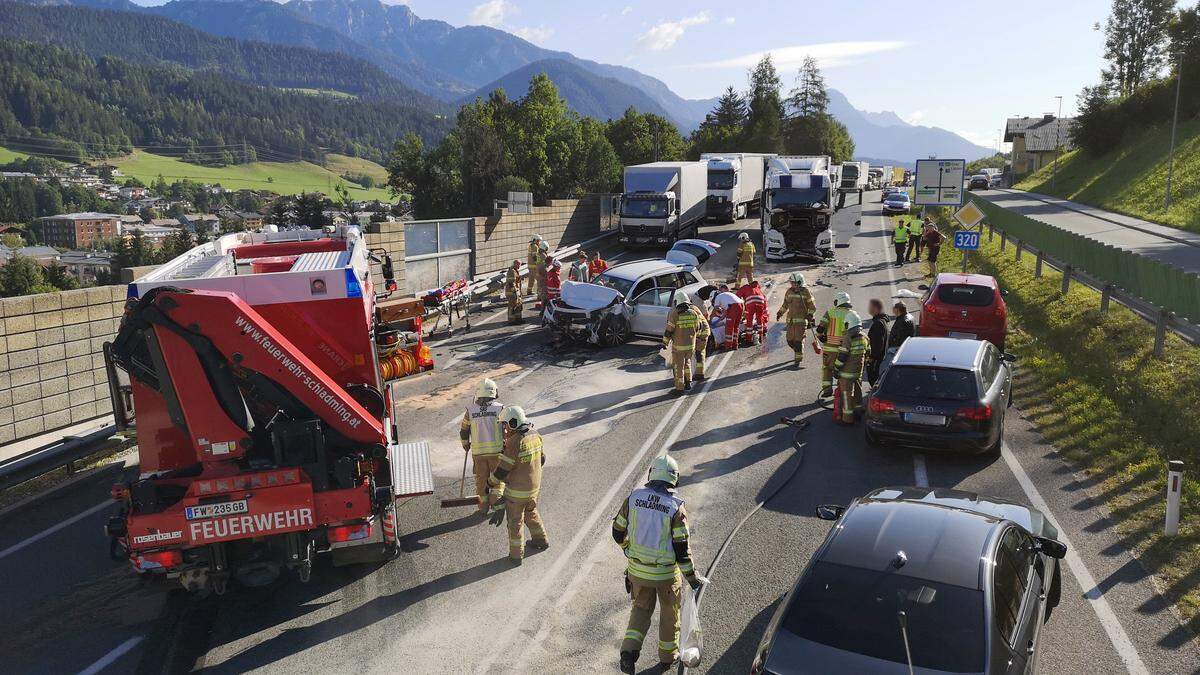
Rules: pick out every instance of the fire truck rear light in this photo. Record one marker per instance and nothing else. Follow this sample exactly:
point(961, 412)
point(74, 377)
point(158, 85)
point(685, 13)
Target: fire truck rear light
point(158, 560)
point(354, 532)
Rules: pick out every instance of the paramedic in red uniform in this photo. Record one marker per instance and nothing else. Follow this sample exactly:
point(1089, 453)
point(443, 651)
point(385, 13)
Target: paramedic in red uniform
point(554, 280)
point(729, 306)
point(754, 312)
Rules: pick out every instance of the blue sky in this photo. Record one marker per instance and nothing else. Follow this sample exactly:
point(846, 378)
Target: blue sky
point(961, 65)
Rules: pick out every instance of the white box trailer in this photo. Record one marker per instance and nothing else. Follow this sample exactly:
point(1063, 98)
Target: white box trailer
point(735, 181)
point(663, 202)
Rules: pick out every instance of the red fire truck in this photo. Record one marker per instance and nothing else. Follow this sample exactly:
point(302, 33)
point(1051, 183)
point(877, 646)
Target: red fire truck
point(266, 434)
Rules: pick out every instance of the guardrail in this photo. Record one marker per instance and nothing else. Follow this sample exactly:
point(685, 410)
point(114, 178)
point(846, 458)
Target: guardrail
point(1163, 319)
point(51, 456)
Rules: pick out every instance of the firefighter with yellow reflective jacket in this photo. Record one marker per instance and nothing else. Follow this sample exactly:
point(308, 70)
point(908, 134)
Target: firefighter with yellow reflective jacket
point(830, 331)
point(851, 357)
point(512, 292)
point(514, 485)
point(482, 436)
point(745, 259)
point(651, 528)
point(686, 328)
point(800, 307)
point(532, 262)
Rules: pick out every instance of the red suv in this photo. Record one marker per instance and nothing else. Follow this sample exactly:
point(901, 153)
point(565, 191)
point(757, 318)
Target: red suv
point(965, 306)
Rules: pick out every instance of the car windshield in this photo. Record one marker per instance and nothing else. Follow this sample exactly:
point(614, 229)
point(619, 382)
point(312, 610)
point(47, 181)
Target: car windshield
point(922, 382)
point(798, 196)
point(897, 197)
point(644, 208)
point(721, 179)
point(965, 294)
point(855, 610)
point(618, 284)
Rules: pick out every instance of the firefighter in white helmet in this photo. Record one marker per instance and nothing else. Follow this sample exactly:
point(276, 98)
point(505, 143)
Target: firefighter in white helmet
point(532, 262)
point(482, 436)
point(830, 331)
point(651, 528)
point(851, 357)
point(745, 259)
point(515, 484)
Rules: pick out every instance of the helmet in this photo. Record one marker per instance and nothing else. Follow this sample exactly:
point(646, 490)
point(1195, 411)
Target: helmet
point(513, 417)
point(853, 320)
point(797, 278)
point(487, 389)
point(664, 468)
point(841, 299)
point(543, 245)
point(744, 237)
point(536, 239)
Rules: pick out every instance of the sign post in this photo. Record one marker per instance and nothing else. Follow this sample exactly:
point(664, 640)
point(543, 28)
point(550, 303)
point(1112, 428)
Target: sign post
point(968, 238)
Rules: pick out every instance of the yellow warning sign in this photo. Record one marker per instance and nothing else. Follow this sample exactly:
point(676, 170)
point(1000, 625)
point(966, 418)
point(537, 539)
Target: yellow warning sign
point(969, 215)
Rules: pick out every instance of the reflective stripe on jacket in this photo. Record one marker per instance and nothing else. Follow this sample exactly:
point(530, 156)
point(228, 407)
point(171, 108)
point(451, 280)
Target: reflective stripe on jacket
point(852, 356)
point(834, 324)
point(522, 462)
point(685, 328)
point(745, 254)
point(655, 523)
point(483, 423)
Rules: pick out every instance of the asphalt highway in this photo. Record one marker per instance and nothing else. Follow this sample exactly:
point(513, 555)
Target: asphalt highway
point(451, 603)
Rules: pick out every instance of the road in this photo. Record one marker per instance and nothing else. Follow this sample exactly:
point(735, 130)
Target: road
point(1169, 245)
point(451, 603)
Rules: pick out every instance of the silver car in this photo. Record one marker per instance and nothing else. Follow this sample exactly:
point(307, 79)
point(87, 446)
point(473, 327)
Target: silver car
point(629, 299)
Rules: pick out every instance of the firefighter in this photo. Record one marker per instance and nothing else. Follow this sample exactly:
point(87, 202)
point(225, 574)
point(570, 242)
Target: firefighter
point(686, 328)
point(512, 292)
point(830, 331)
point(481, 436)
point(543, 260)
point(514, 485)
point(651, 528)
point(535, 247)
point(745, 259)
point(800, 307)
point(851, 355)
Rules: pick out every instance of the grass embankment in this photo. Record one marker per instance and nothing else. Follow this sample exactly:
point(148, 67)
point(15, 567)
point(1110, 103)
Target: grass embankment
point(283, 177)
point(1132, 179)
point(343, 164)
point(1089, 382)
point(7, 155)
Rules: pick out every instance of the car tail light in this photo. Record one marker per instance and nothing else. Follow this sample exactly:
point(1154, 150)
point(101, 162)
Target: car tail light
point(930, 309)
point(158, 560)
point(878, 406)
point(353, 532)
point(981, 413)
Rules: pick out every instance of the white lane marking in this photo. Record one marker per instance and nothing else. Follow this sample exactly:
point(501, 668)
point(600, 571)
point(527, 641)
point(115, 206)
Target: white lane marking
point(517, 622)
point(51, 530)
point(920, 475)
point(524, 374)
point(108, 659)
point(1092, 593)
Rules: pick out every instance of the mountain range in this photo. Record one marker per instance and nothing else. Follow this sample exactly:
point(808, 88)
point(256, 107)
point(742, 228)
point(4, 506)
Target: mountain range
point(431, 62)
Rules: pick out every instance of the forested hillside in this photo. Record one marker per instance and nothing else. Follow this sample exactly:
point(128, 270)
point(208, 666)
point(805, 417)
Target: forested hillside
point(155, 40)
point(107, 105)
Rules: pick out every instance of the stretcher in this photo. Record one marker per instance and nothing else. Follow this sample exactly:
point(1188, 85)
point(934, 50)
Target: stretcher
point(450, 301)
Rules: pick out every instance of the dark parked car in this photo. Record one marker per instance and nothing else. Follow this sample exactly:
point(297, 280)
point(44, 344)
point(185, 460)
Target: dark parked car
point(961, 582)
point(979, 182)
point(942, 393)
point(967, 306)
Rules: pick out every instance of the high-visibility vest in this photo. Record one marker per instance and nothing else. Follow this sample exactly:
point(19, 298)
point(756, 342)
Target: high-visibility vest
point(649, 550)
point(835, 324)
point(901, 235)
point(915, 228)
point(487, 436)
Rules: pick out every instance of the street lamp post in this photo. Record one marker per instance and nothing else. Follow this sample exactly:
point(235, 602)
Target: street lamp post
point(1057, 138)
point(1174, 124)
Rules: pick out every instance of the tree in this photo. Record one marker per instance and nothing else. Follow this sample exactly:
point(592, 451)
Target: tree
point(310, 210)
point(818, 135)
point(730, 111)
point(1100, 123)
point(640, 138)
point(58, 277)
point(510, 184)
point(1135, 37)
point(764, 123)
point(21, 276)
point(809, 97)
point(283, 212)
point(12, 240)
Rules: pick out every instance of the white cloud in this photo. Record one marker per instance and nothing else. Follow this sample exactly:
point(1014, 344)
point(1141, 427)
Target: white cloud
point(667, 33)
point(827, 54)
point(535, 34)
point(491, 13)
point(626, 10)
point(729, 20)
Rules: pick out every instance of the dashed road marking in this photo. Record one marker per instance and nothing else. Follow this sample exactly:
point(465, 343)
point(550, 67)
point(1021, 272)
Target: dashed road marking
point(1092, 592)
point(108, 659)
point(525, 373)
point(920, 475)
point(51, 530)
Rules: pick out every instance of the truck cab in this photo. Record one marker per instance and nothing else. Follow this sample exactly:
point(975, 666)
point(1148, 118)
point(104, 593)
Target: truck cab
point(798, 208)
point(662, 202)
point(724, 178)
point(648, 217)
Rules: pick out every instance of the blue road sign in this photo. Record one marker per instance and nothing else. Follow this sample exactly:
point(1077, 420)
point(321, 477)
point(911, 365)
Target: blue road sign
point(966, 240)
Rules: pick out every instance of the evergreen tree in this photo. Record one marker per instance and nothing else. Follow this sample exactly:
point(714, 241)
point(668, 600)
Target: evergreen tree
point(730, 110)
point(764, 123)
point(1135, 42)
point(58, 277)
point(21, 276)
point(809, 97)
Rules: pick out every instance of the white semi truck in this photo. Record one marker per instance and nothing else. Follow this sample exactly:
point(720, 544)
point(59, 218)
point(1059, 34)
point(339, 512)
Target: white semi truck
point(735, 181)
point(663, 202)
point(798, 208)
point(854, 177)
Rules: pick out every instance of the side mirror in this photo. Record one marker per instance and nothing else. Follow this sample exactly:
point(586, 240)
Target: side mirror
point(830, 511)
point(1052, 547)
point(1010, 358)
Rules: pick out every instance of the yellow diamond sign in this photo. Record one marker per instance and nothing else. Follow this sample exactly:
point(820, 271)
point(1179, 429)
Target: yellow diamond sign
point(969, 215)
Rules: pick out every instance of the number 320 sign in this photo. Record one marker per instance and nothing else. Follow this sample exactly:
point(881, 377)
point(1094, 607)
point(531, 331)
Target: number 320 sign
point(966, 240)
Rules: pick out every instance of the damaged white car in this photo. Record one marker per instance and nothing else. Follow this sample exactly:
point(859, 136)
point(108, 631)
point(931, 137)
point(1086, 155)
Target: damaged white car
point(629, 299)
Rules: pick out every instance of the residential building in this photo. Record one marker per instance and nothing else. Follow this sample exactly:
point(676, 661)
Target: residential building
point(201, 222)
point(78, 230)
point(86, 266)
point(1036, 141)
point(44, 255)
point(17, 175)
point(132, 192)
point(154, 234)
point(129, 221)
